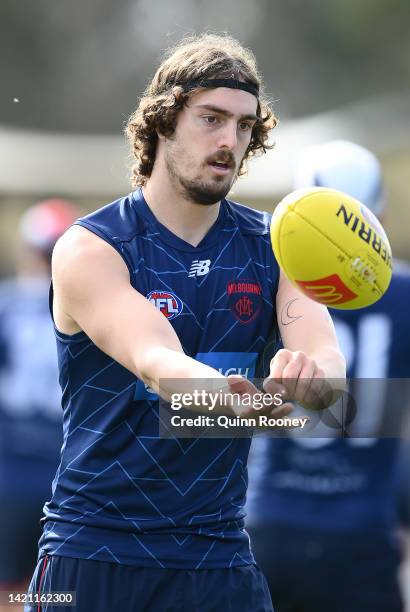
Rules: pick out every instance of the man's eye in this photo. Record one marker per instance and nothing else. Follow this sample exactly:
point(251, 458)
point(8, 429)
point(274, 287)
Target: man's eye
point(210, 119)
point(245, 126)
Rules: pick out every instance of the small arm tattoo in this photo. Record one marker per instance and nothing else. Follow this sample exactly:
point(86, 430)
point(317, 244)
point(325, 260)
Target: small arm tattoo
point(286, 318)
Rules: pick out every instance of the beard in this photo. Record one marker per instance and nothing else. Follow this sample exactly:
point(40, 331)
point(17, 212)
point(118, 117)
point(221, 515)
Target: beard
point(204, 193)
point(197, 189)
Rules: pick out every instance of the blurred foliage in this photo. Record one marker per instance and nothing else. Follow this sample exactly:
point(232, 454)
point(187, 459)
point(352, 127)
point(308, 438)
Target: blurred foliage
point(81, 66)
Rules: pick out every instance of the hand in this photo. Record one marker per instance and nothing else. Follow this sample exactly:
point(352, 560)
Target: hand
point(303, 380)
point(244, 387)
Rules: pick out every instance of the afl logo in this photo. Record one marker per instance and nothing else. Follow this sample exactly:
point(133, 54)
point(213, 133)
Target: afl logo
point(168, 303)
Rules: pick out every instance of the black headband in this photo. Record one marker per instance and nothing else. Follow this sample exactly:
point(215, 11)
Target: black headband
point(231, 83)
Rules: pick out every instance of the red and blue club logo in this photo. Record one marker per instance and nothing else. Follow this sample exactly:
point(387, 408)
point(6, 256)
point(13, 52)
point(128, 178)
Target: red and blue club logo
point(245, 299)
point(166, 302)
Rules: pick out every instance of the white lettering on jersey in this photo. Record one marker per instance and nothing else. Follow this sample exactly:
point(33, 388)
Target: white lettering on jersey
point(161, 303)
point(241, 371)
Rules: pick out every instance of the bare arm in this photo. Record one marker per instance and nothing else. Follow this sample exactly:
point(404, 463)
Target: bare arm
point(92, 292)
point(306, 325)
point(311, 352)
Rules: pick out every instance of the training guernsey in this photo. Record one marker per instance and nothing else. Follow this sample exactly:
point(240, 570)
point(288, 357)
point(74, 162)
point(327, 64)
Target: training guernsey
point(122, 493)
point(345, 484)
point(30, 396)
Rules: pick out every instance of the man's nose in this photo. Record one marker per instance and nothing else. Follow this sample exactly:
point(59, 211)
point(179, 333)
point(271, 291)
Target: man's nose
point(228, 137)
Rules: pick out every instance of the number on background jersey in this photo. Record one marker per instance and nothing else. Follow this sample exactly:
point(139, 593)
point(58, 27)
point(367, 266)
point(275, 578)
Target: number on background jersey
point(367, 356)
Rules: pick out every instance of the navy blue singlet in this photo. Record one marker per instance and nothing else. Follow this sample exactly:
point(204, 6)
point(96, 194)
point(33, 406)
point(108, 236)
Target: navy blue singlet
point(121, 493)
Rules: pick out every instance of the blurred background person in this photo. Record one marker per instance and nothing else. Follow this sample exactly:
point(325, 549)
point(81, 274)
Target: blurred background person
point(30, 396)
point(323, 511)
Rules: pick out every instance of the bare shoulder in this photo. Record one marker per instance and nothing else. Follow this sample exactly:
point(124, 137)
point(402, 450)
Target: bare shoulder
point(85, 268)
point(78, 242)
point(80, 252)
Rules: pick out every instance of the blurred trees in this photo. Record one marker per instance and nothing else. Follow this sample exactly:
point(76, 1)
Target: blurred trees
point(81, 66)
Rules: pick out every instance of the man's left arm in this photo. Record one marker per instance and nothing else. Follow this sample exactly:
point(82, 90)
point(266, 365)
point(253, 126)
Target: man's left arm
point(311, 359)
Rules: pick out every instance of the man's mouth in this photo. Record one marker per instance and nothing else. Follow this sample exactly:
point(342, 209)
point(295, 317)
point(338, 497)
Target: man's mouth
point(222, 167)
point(219, 168)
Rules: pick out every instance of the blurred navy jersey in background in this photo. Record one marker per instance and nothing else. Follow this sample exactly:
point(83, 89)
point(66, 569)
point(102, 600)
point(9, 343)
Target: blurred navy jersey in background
point(30, 420)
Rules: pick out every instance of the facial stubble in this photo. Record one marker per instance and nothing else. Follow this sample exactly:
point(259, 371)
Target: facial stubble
point(195, 189)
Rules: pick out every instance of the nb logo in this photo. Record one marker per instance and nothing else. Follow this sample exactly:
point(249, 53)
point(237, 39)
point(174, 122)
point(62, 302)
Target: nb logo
point(199, 268)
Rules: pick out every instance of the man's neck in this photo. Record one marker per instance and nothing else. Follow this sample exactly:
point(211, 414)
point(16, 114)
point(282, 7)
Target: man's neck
point(182, 217)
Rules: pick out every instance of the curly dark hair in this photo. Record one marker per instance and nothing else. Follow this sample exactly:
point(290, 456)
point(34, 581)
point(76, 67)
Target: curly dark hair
point(198, 57)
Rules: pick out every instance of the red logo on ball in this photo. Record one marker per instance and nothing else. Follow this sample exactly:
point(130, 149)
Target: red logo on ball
point(327, 290)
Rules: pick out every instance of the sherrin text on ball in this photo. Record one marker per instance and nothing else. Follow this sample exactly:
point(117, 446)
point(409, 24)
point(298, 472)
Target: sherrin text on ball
point(331, 247)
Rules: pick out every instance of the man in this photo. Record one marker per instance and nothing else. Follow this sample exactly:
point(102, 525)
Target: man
point(137, 522)
point(323, 511)
point(30, 413)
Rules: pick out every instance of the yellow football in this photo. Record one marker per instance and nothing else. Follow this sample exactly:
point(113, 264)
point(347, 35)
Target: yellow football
point(331, 247)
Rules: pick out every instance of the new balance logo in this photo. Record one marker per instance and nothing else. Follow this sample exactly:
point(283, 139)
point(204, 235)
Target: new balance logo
point(199, 268)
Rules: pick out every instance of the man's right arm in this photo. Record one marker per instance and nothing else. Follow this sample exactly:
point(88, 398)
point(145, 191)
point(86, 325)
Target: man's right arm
point(92, 292)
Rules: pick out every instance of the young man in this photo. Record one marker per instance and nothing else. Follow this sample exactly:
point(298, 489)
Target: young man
point(326, 509)
point(138, 522)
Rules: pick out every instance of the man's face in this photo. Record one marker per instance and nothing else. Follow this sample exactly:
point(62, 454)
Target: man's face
point(212, 134)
